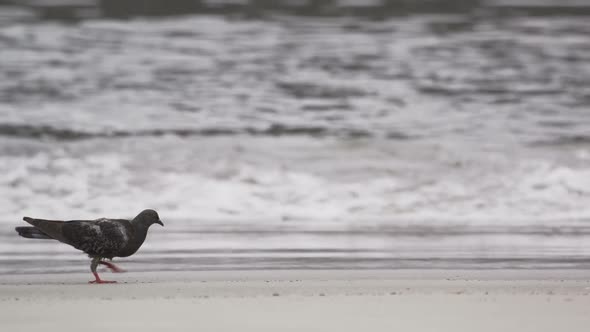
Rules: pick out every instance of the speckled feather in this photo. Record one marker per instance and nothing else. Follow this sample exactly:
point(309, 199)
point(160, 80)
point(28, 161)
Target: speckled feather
point(102, 237)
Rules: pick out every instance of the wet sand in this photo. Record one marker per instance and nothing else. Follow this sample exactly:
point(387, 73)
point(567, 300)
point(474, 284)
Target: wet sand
point(304, 300)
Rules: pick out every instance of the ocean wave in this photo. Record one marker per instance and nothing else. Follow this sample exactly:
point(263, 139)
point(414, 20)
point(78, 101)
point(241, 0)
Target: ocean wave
point(561, 140)
point(401, 78)
point(87, 9)
point(50, 132)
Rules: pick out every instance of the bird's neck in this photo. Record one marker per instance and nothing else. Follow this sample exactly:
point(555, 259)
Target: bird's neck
point(139, 234)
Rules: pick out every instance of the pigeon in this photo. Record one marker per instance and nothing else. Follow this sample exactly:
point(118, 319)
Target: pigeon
point(101, 238)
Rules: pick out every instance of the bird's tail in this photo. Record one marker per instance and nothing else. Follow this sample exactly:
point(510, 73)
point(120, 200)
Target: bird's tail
point(32, 233)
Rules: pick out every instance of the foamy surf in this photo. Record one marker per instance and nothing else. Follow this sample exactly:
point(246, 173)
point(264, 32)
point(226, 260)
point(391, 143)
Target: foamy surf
point(291, 179)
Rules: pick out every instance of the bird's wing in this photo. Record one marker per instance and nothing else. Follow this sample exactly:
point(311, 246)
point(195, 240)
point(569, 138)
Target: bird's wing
point(101, 237)
point(53, 228)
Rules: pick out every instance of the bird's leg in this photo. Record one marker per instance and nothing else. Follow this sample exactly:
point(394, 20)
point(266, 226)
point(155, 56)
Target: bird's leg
point(93, 265)
point(114, 268)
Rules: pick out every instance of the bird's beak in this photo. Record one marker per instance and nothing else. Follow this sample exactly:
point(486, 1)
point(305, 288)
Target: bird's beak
point(159, 222)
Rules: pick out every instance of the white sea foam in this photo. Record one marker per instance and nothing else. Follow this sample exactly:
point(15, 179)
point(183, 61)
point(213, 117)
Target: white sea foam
point(286, 179)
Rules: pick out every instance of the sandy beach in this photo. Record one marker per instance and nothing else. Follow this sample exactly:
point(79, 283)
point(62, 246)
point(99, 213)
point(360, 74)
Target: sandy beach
point(300, 300)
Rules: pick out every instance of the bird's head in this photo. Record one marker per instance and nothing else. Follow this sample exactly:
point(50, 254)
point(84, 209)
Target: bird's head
point(148, 218)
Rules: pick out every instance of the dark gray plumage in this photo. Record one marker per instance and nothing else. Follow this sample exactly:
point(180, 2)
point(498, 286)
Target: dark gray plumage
point(100, 239)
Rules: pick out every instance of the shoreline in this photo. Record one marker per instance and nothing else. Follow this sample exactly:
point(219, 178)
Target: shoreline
point(140, 277)
point(306, 300)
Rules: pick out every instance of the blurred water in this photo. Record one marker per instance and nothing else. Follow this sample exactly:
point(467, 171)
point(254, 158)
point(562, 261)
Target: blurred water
point(283, 136)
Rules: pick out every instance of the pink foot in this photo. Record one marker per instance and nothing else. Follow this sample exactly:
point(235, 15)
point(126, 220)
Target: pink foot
point(114, 268)
point(100, 281)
